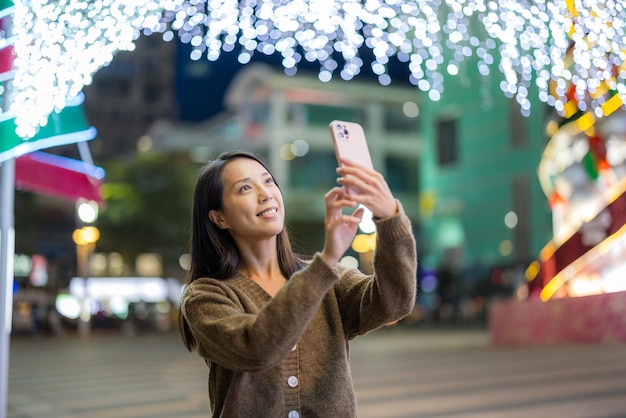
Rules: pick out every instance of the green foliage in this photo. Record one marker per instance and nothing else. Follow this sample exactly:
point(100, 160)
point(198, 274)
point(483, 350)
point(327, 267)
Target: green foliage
point(147, 207)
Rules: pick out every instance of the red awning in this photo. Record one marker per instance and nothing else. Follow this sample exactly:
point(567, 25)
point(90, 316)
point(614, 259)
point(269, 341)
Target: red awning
point(6, 59)
point(58, 176)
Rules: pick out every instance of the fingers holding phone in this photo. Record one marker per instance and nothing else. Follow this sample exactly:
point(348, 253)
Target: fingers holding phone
point(368, 187)
point(340, 228)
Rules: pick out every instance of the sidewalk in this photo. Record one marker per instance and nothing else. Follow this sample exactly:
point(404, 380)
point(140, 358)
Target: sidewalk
point(398, 372)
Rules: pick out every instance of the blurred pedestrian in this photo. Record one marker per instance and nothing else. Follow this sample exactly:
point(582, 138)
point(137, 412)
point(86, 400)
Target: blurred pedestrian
point(273, 327)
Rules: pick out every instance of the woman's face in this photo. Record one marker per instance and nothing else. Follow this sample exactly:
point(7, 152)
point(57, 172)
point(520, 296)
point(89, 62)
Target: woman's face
point(252, 206)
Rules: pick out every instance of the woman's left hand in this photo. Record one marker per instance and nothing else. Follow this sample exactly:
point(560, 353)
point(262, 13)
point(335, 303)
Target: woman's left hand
point(372, 190)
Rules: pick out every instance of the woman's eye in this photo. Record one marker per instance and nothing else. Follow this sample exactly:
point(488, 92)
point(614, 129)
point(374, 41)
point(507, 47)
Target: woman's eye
point(244, 188)
point(270, 180)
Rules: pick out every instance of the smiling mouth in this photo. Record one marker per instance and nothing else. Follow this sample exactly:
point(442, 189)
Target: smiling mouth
point(268, 212)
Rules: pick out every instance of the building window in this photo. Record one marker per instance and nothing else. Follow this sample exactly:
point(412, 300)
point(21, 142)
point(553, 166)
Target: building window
point(152, 67)
point(258, 113)
point(321, 115)
point(402, 173)
point(113, 87)
point(521, 207)
point(296, 114)
point(314, 171)
point(518, 125)
point(152, 92)
point(256, 117)
point(447, 141)
point(398, 119)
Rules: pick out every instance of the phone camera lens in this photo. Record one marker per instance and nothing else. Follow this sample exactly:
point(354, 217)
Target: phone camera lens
point(345, 132)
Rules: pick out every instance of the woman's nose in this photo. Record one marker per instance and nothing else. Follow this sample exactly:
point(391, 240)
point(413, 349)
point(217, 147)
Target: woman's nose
point(264, 196)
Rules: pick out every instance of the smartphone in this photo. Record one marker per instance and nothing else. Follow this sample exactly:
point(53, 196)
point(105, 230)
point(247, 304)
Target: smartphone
point(349, 142)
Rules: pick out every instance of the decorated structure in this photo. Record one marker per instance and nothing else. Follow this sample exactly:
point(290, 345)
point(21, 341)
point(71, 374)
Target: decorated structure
point(583, 174)
point(577, 286)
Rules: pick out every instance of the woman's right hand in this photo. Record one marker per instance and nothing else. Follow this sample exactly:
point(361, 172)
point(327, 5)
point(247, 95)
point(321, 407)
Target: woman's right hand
point(339, 228)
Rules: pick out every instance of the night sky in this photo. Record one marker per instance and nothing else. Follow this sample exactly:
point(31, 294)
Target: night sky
point(200, 95)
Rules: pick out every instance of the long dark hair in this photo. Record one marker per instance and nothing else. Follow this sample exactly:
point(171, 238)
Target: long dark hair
point(213, 250)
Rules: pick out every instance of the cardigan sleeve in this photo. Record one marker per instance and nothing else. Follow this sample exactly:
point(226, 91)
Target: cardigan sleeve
point(230, 334)
point(368, 302)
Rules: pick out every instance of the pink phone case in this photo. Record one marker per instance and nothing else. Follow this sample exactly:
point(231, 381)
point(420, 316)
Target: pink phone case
point(349, 142)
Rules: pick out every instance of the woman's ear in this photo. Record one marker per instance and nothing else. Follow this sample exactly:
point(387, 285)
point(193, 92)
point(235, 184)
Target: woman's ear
point(216, 217)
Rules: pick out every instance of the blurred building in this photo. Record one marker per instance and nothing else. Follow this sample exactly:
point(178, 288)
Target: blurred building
point(483, 214)
point(123, 100)
point(128, 95)
point(465, 167)
point(484, 185)
point(286, 120)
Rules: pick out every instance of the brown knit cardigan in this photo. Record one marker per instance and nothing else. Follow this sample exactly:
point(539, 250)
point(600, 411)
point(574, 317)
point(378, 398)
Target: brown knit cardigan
point(288, 356)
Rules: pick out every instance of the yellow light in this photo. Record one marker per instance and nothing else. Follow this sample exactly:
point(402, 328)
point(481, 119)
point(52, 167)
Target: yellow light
point(360, 243)
point(363, 243)
point(591, 131)
point(566, 274)
point(372, 241)
point(532, 271)
point(572, 8)
point(612, 105)
point(505, 247)
point(570, 108)
point(86, 235)
point(286, 152)
point(585, 121)
point(77, 236)
point(427, 202)
point(551, 287)
point(551, 128)
point(91, 234)
point(547, 251)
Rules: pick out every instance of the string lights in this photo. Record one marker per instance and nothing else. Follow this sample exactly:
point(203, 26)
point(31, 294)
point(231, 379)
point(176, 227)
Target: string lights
point(564, 48)
point(60, 44)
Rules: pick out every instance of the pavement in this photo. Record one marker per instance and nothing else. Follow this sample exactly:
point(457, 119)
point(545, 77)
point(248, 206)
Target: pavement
point(398, 372)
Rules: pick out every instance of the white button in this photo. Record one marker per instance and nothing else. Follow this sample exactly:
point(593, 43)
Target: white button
point(294, 347)
point(294, 414)
point(292, 381)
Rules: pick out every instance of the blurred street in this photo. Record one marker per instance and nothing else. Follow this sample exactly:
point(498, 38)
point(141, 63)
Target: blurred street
point(398, 372)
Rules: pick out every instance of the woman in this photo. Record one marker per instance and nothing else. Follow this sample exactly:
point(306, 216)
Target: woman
point(273, 328)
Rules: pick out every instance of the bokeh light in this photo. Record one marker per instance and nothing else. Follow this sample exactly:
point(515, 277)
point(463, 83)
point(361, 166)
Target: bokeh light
point(565, 48)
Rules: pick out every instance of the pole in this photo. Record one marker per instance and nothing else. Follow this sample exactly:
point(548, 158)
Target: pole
point(7, 250)
point(82, 258)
